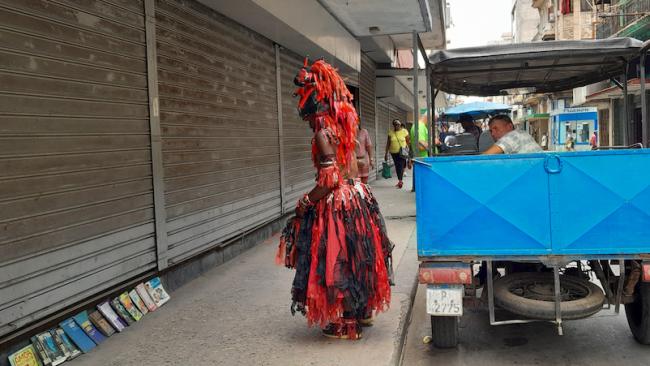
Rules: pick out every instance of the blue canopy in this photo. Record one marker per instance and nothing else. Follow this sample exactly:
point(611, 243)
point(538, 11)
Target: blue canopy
point(477, 110)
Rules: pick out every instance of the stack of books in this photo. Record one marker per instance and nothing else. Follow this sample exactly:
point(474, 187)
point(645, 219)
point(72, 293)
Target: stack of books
point(84, 331)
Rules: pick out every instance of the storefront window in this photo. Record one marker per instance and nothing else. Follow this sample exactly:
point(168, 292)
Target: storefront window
point(579, 130)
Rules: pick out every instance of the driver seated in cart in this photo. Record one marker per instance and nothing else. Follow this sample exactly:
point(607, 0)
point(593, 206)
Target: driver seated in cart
point(509, 140)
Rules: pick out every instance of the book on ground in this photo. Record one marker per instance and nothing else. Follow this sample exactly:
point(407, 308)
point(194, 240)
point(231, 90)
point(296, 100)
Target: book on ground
point(100, 323)
point(121, 311)
point(77, 335)
point(25, 356)
point(84, 322)
point(137, 301)
point(156, 291)
point(40, 350)
point(125, 299)
point(64, 343)
point(112, 317)
point(54, 354)
point(144, 295)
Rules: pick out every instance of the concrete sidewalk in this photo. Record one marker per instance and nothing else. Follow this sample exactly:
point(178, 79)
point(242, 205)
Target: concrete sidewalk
point(238, 313)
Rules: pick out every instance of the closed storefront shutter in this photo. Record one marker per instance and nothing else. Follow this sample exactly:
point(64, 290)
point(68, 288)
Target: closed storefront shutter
point(384, 124)
point(397, 112)
point(219, 127)
point(76, 201)
point(299, 169)
point(367, 102)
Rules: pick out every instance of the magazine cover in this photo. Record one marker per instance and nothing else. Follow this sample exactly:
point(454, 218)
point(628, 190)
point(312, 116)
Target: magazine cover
point(54, 353)
point(133, 294)
point(110, 315)
point(156, 291)
point(100, 323)
point(88, 327)
point(78, 336)
point(121, 311)
point(69, 347)
point(144, 295)
point(26, 356)
point(40, 350)
point(128, 305)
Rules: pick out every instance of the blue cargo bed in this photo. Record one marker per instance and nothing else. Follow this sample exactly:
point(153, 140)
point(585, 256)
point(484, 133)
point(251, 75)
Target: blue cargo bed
point(577, 203)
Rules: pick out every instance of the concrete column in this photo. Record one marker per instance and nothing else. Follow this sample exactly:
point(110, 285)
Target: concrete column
point(577, 20)
point(278, 83)
point(155, 135)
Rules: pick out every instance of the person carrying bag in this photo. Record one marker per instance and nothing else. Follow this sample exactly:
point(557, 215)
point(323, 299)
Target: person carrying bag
point(397, 145)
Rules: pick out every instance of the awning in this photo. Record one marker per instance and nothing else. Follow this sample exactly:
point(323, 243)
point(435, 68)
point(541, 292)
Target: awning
point(537, 117)
point(476, 110)
point(614, 92)
point(545, 66)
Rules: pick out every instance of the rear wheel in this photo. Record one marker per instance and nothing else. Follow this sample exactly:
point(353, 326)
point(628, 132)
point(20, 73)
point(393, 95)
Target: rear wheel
point(444, 331)
point(638, 314)
point(533, 295)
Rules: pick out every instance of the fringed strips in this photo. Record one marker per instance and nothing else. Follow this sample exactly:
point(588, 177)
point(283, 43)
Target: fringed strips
point(340, 252)
point(329, 176)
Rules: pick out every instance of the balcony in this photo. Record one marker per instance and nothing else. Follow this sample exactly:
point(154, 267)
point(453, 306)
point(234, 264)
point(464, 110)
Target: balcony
point(627, 18)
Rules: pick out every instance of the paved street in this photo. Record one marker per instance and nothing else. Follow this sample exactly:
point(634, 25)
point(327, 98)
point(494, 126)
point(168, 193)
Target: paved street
point(603, 339)
point(238, 313)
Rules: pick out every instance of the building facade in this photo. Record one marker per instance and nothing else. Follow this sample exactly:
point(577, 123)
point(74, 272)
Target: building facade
point(160, 137)
point(542, 113)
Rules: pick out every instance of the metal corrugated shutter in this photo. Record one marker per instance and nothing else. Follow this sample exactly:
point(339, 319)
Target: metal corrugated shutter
point(76, 206)
point(397, 112)
point(219, 127)
point(368, 102)
point(383, 123)
point(299, 169)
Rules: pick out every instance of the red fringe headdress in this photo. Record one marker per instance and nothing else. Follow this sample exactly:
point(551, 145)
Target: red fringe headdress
point(326, 100)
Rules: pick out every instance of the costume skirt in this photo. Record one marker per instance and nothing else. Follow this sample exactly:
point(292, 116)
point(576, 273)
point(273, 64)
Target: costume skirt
point(341, 255)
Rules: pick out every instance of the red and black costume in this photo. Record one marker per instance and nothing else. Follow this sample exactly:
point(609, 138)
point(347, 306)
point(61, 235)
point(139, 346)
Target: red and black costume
point(339, 247)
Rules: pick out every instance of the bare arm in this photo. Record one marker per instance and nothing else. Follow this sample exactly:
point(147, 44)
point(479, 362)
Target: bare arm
point(327, 150)
point(493, 150)
point(370, 151)
point(318, 192)
point(423, 145)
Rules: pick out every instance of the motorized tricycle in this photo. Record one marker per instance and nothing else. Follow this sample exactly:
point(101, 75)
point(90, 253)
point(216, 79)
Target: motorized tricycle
point(550, 236)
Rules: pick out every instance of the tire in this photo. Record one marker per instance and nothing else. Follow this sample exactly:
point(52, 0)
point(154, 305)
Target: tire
point(444, 331)
point(583, 297)
point(638, 314)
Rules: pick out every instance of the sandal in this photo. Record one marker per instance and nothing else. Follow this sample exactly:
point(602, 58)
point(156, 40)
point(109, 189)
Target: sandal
point(349, 329)
point(367, 322)
point(367, 319)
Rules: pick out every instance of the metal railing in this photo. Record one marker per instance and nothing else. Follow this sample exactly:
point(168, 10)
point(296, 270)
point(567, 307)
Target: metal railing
point(620, 15)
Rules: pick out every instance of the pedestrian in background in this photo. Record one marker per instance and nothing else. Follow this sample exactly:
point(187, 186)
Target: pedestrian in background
point(544, 142)
point(365, 161)
point(397, 145)
point(423, 140)
point(593, 141)
point(570, 144)
point(467, 121)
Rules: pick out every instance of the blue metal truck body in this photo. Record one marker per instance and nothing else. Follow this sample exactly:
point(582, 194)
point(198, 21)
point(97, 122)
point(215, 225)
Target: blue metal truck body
point(570, 204)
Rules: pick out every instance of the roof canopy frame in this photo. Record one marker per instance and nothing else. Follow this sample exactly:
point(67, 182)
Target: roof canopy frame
point(548, 66)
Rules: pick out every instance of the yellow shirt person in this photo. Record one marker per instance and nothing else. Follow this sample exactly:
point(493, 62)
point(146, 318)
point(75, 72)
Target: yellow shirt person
point(397, 140)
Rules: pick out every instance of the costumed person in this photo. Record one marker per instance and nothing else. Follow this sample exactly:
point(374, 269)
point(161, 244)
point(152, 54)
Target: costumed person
point(337, 241)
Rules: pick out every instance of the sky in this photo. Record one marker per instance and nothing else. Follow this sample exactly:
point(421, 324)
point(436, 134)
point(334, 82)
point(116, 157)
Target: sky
point(476, 22)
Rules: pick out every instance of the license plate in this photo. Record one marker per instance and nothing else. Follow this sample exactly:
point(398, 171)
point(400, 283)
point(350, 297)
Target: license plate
point(445, 300)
